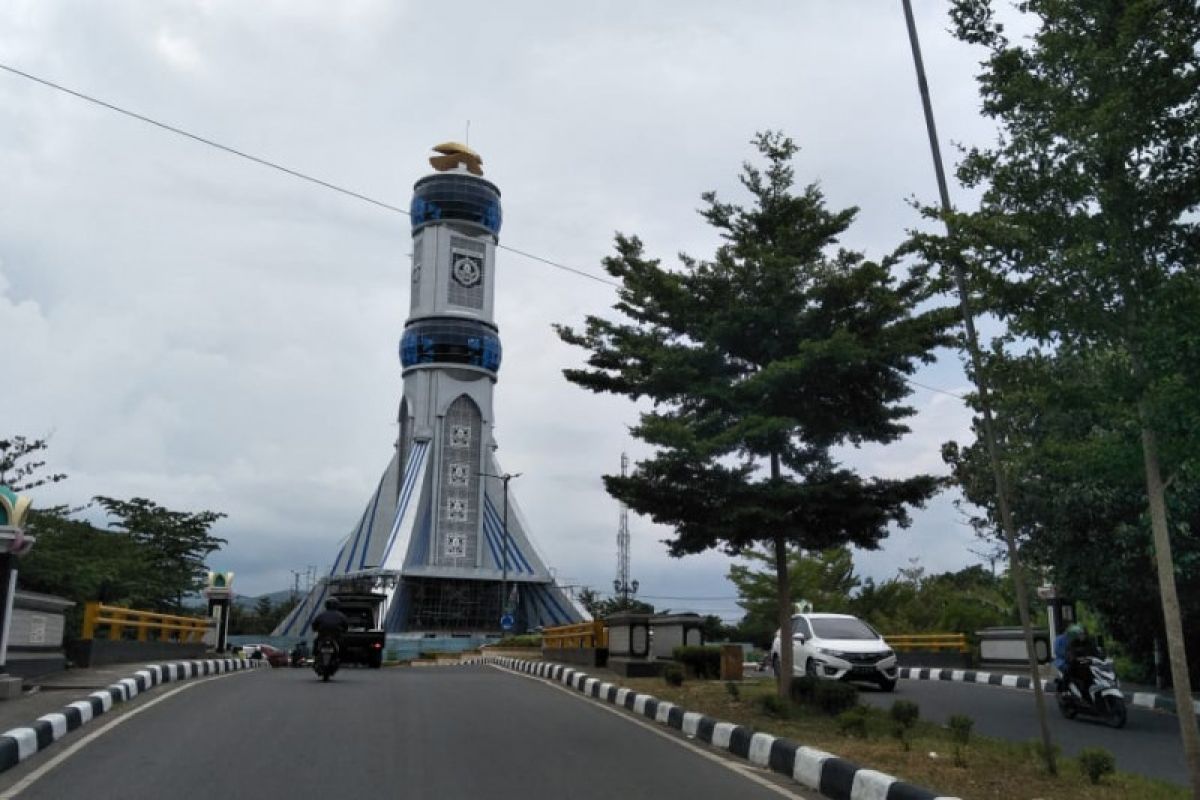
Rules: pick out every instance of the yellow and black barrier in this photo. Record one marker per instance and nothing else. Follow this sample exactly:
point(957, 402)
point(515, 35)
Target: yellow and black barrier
point(126, 623)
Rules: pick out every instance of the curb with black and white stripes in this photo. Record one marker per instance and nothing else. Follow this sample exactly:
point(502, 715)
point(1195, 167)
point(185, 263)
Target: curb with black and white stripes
point(18, 744)
point(835, 778)
point(1141, 699)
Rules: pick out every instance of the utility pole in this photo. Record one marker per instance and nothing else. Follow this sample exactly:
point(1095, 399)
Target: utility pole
point(985, 401)
point(622, 586)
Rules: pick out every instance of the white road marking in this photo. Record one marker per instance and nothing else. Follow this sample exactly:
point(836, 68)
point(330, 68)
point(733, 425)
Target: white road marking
point(745, 771)
point(23, 784)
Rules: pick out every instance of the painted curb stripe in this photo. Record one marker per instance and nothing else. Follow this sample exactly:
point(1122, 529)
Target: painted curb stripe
point(19, 744)
point(836, 778)
point(1139, 699)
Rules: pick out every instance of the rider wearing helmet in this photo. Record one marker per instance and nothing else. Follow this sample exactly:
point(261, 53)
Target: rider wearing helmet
point(1069, 649)
point(331, 622)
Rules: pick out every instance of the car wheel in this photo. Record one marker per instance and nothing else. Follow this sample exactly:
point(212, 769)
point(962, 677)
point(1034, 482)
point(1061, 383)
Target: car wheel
point(775, 664)
point(887, 685)
point(810, 669)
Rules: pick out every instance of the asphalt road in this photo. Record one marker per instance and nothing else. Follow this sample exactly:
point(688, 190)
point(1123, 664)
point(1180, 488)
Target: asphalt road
point(1149, 744)
point(446, 732)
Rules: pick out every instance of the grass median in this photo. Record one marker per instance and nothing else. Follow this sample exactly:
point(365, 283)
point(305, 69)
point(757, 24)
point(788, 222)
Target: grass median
point(925, 754)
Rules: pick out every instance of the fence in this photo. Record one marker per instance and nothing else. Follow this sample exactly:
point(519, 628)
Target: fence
point(592, 635)
point(166, 627)
point(908, 642)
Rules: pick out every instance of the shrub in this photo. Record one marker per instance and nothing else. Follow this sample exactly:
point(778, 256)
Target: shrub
point(960, 732)
point(525, 640)
point(834, 697)
point(960, 728)
point(803, 689)
point(701, 662)
point(905, 714)
point(673, 674)
point(853, 722)
point(1096, 762)
point(1037, 749)
point(772, 706)
point(733, 690)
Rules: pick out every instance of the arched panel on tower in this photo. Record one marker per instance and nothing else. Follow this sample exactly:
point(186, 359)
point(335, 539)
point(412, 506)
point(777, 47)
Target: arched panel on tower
point(403, 446)
point(458, 514)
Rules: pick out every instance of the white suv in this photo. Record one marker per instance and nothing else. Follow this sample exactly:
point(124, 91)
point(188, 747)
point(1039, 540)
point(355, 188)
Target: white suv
point(840, 647)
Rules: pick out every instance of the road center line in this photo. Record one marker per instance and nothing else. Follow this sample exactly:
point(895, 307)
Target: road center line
point(743, 770)
point(41, 771)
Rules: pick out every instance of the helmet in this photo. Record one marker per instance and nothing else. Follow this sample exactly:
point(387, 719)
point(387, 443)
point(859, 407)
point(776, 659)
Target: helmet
point(332, 604)
point(1075, 631)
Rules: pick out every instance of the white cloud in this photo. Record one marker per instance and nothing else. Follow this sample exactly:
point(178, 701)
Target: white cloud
point(196, 329)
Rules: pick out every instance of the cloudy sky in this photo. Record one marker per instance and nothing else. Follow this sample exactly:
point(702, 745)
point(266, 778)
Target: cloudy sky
point(187, 326)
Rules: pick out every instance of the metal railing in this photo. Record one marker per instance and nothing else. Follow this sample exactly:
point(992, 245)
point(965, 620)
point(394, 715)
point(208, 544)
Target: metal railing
point(119, 621)
point(907, 642)
point(584, 634)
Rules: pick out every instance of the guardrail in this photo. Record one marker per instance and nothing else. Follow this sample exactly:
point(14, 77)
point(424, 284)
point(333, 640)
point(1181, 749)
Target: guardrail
point(168, 627)
point(581, 635)
point(909, 642)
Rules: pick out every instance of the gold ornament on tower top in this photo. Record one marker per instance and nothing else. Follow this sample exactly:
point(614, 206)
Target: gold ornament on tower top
point(455, 155)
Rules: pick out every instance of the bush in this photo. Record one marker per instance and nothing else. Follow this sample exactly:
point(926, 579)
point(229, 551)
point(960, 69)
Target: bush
point(1096, 762)
point(673, 674)
point(700, 662)
point(905, 714)
point(960, 728)
point(960, 732)
point(853, 722)
point(733, 690)
point(834, 697)
point(772, 706)
point(525, 640)
point(803, 689)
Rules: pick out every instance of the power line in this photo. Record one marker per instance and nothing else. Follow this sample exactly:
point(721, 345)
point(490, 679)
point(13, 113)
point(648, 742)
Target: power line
point(326, 184)
point(272, 165)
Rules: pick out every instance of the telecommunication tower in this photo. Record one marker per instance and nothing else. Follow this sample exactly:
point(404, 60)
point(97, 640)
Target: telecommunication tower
point(622, 586)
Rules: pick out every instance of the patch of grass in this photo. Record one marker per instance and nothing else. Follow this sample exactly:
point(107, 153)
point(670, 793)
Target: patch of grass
point(733, 690)
point(997, 769)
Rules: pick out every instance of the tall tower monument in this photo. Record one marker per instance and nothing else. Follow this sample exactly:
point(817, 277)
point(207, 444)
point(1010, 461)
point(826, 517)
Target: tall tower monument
point(442, 538)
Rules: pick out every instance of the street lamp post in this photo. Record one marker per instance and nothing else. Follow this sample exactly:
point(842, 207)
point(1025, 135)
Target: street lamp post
point(506, 477)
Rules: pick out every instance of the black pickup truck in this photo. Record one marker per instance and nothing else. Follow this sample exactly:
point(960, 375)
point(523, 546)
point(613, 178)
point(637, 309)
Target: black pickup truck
point(363, 643)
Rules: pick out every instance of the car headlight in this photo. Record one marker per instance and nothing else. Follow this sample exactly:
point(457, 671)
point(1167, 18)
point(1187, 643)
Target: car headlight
point(834, 653)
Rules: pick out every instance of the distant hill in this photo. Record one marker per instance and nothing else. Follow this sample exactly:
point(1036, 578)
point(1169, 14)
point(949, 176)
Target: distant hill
point(244, 601)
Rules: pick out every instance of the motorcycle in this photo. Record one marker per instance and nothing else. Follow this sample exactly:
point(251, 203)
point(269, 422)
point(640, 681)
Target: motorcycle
point(325, 657)
point(1102, 697)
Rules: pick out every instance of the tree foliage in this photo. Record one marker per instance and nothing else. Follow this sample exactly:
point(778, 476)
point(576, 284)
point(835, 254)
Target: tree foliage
point(17, 469)
point(758, 363)
point(174, 544)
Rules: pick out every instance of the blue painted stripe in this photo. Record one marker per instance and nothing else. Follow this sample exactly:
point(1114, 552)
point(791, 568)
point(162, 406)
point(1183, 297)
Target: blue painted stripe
point(550, 595)
point(495, 548)
point(338, 560)
point(520, 562)
point(362, 560)
point(357, 535)
point(415, 462)
point(544, 594)
point(312, 612)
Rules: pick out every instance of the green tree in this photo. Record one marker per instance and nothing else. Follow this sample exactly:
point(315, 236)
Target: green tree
point(759, 363)
point(175, 543)
point(76, 560)
point(1087, 231)
point(824, 578)
point(17, 471)
point(1080, 496)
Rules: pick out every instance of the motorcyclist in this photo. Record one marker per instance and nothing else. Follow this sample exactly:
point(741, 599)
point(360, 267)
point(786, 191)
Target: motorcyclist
point(1070, 649)
point(331, 623)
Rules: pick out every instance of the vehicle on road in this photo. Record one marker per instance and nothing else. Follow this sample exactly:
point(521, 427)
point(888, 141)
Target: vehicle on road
point(838, 647)
point(1099, 696)
point(363, 642)
point(326, 657)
